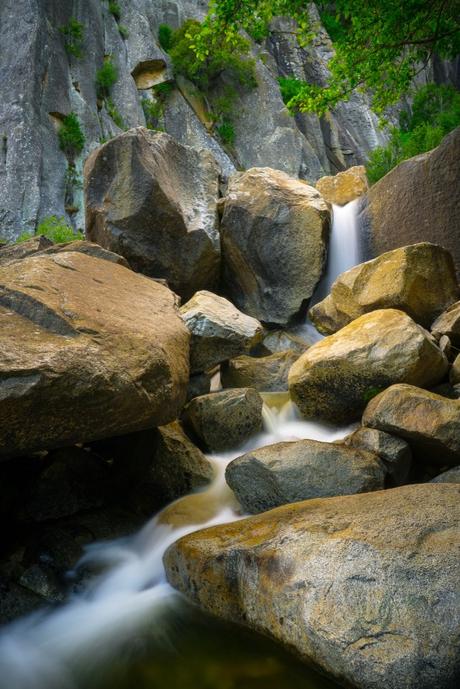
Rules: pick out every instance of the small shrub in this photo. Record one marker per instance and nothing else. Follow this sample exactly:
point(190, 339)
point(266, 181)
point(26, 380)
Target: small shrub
point(73, 178)
point(123, 31)
point(164, 89)
point(115, 10)
point(73, 37)
point(23, 237)
point(70, 134)
point(106, 77)
point(226, 132)
point(153, 109)
point(114, 114)
point(289, 87)
point(165, 37)
point(57, 230)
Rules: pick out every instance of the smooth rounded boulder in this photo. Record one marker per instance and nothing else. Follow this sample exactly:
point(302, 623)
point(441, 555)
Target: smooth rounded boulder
point(88, 349)
point(219, 330)
point(153, 200)
point(366, 587)
point(430, 423)
point(448, 323)
point(418, 279)
point(265, 373)
point(394, 452)
point(274, 231)
point(288, 472)
point(337, 376)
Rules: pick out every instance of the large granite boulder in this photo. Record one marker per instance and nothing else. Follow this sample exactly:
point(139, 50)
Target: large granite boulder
point(344, 187)
point(288, 472)
point(223, 420)
point(274, 237)
point(416, 201)
point(394, 452)
point(429, 422)
point(337, 376)
point(88, 349)
point(448, 323)
point(367, 587)
point(219, 331)
point(265, 374)
point(418, 279)
point(14, 252)
point(153, 201)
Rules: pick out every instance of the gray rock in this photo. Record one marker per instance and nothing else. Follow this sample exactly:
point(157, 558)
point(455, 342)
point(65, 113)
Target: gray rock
point(274, 233)
point(288, 472)
point(366, 587)
point(448, 323)
point(219, 331)
point(394, 452)
point(265, 374)
point(449, 476)
point(198, 384)
point(162, 214)
point(282, 340)
point(224, 420)
point(14, 252)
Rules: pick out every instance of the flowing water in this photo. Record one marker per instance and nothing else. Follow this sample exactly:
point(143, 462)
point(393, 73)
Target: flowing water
point(129, 629)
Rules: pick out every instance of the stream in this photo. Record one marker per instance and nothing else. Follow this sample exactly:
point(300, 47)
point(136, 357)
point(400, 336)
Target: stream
point(127, 628)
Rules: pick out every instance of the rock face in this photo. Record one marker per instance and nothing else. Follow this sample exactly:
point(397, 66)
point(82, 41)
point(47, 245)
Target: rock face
point(219, 331)
point(88, 349)
point(88, 248)
point(415, 201)
point(428, 422)
point(265, 374)
point(345, 186)
point(418, 279)
point(448, 324)
point(364, 586)
point(153, 201)
point(336, 377)
point(288, 472)
point(223, 420)
point(15, 252)
point(274, 233)
point(394, 452)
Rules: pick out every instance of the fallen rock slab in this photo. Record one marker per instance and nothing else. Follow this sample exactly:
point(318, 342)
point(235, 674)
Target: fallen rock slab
point(88, 349)
point(367, 587)
point(344, 187)
point(448, 323)
point(15, 252)
point(337, 376)
point(394, 452)
point(288, 472)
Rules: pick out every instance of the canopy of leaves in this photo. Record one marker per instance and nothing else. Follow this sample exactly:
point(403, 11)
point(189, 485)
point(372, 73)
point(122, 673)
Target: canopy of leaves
point(435, 112)
point(379, 45)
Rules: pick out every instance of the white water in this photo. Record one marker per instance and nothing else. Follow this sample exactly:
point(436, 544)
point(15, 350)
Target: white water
point(43, 651)
point(47, 650)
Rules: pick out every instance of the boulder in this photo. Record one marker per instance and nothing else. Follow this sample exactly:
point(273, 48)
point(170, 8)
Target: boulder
point(344, 187)
point(282, 340)
point(88, 349)
point(199, 384)
point(337, 376)
point(454, 375)
point(14, 252)
point(418, 279)
point(394, 452)
point(449, 476)
point(179, 466)
point(153, 201)
point(274, 233)
point(367, 587)
point(223, 420)
point(288, 472)
point(265, 374)
point(88, 248)
point(448, 323)
point(219, 331)
point(430, 423)
point(416, 201)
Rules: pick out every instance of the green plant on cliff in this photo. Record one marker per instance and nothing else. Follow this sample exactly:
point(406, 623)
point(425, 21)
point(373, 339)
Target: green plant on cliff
point(435, 112)
point(379, 46)
point(106, 77)
point(114, 113)
point(115, 10)
point(165, 37)
point(73, 33)
point(123, 31)
point(71, 136)
point(226, 132)
point(55, 229)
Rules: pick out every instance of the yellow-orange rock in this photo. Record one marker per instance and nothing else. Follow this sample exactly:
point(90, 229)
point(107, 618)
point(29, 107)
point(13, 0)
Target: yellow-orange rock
point(344, 187)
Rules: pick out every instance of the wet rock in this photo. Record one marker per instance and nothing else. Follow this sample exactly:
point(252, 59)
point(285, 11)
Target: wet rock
point(14, 252)
point(449, 476)
point(199, 384)
point(336, 377)
point(288, 472)
point(219, 331)
point(282, 340)
point(274, 236)
point(364, 586)
point(448, 323)
point(428, 422)
point(153, 201)
point(418, 279)
point(224, 420)
point(394, 452)
point(344, 187)
point(179, 466)
point(416, 201)
point(88, 349)
point(16, 601)
point(265, 374)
